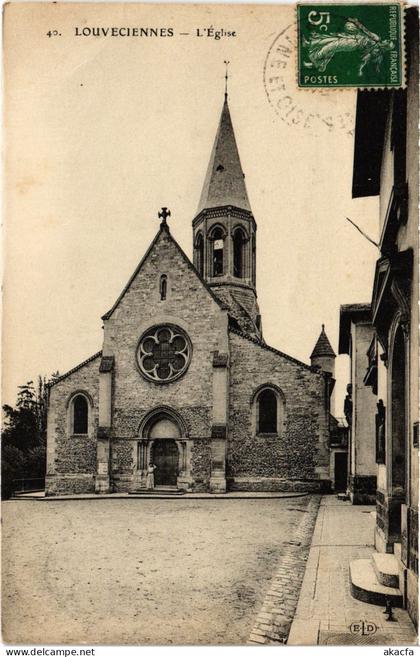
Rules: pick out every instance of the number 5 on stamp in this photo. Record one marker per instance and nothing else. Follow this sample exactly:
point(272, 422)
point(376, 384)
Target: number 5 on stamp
point(350, 45)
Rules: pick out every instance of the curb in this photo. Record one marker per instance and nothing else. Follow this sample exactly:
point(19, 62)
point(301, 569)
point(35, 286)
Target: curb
point(187, 496)
point(272, 625)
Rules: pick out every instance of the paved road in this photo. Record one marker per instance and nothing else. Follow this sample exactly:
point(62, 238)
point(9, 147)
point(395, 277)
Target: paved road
point(140, 571)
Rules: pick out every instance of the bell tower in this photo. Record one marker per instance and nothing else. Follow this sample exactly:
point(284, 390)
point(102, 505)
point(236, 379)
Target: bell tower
point(224, 231)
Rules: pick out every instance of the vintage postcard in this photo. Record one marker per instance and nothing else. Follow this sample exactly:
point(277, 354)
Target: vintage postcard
point(210, 333)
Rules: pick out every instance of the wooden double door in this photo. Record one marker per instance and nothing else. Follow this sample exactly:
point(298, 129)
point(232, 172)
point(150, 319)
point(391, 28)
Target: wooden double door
point(166, 460)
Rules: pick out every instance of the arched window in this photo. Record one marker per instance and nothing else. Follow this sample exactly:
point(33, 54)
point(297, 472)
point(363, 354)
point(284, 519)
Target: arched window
point(217, 238)
point(267, 411)
point(80, 414)
point(239, 253)
point(163, 286)
point(199, 250)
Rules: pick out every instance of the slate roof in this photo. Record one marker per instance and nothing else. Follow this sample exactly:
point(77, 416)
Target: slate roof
point(323, 346)
point(224, 183)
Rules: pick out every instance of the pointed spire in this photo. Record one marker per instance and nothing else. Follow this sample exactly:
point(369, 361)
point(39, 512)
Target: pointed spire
point(323, 346)
point(224, 183)
point(226, 63)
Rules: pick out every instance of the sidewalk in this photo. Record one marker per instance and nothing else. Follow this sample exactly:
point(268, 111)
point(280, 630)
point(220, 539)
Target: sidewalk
point(326, 609)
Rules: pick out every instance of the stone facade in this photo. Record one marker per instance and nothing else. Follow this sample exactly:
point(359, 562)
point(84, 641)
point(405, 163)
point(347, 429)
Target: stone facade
point(294, 458)
point(297, 457)
point(71, 459)
point(184, 381)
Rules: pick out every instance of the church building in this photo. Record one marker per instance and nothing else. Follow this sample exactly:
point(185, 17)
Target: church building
point(184, 379)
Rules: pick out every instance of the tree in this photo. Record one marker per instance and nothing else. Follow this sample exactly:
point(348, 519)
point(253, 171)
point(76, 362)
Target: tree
point(24, 437)
point(21, 423)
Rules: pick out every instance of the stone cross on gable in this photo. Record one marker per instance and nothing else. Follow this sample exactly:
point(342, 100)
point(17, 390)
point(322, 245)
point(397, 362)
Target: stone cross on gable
point(164, 214)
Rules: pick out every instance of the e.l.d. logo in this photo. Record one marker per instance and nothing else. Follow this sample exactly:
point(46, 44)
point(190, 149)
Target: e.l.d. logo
point(363, 628)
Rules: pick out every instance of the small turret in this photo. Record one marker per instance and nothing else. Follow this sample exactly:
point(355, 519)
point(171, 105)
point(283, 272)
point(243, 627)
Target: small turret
point(323, 355)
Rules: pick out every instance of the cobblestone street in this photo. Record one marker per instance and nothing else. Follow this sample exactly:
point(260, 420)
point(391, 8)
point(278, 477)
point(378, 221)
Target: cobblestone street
point(274, 620)
point(172, 571)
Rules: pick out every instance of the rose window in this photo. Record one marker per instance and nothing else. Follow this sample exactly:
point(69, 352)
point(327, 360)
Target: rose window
point(164, 353)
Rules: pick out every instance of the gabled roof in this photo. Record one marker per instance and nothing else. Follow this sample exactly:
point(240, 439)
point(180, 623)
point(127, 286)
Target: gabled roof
point(267, 347)
point(224, 183)
point(323, 346)
point(163, 228)
point(74, 369)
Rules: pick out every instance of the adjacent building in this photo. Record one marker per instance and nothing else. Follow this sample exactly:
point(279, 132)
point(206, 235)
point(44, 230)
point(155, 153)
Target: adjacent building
point(386, 164)
point(356, 334)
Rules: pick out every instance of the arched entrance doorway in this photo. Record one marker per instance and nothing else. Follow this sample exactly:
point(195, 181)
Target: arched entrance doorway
point(163, 440)
point(165, 457)
point(164, 452)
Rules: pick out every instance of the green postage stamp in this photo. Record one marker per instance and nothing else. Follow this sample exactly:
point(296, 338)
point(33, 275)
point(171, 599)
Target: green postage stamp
point(350, 45)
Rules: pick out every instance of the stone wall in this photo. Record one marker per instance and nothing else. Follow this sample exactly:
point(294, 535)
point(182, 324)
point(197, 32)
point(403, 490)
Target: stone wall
point(298, 458)
point(123, 456)
point(277, 484)
point(362, 489)
point(381, 515)
point(187, 304)
point(71, 459)
point(190, 306)
point(127, 419)
point(389, 529)
point(64, 484)
point(201, 465)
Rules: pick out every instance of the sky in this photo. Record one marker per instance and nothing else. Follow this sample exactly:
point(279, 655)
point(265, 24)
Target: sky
point(102, 132)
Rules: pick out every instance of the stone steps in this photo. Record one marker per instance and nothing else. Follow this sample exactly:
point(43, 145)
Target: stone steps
point(386, 569)
point(366, 587)
point(158, 492)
